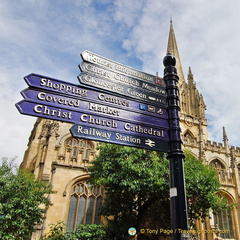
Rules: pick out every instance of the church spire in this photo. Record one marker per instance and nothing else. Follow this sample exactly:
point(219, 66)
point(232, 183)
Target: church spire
point(173, 49)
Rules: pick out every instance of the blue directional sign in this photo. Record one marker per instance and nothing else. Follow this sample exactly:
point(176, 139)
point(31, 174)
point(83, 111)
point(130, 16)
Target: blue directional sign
point(60, 87)
point(32, 108)
point(118, 104)
point(131, 92)
point(92, 108)
point(53, 98)
point(98, 134)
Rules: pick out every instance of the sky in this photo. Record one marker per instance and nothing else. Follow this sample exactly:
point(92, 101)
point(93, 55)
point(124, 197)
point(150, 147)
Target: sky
point(47, 37)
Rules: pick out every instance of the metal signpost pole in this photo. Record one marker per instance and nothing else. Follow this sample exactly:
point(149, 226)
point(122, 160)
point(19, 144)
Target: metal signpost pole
point(179, 221)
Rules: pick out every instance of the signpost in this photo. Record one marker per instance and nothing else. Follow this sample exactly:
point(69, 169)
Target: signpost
point(118, 78)
point(59, 87)
point(132, 140)
point(117, 67)
point(119, 105)
point(89, 107)
point(106, 74)
point(44, 110)
point(178, 202)
point(131, 92)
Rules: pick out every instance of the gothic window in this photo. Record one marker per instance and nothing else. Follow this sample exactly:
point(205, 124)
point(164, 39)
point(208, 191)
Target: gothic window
point(188, 134)
point(188, 137)
point(78, 149)
point(219, 168)
point(223, 220)
point(85, 202)
point(217, 165)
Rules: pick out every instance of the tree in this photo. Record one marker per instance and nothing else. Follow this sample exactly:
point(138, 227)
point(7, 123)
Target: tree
point(137, 188)
point(202, 185)
point(133, 179)
point(89, 232)
point(20, 198)
point(83, 232)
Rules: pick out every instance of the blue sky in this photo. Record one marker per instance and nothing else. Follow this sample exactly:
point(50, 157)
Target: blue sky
point(47, 37)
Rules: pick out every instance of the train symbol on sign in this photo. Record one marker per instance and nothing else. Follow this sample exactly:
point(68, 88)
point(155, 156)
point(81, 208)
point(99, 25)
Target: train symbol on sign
point(150, 143)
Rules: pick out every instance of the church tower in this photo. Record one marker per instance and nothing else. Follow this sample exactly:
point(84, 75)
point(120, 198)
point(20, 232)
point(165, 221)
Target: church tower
point(225, 159)
point(192, 113)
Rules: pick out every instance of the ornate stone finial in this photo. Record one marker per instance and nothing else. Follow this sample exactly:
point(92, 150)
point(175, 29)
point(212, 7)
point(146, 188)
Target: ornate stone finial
point(190, 78)
point(232, 158)
point(190, 75)
point(49, 128)
point(169, 60)
point(225, 138)
point(190, 71)
point(201, 154)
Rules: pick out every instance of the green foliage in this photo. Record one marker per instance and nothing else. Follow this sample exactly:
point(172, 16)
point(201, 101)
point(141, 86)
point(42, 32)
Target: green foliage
point(137, 188)
point(20, 197)
point(202, 185)
point(57, 232)
point(83, 232)
point(90, 232)
point(134, 179)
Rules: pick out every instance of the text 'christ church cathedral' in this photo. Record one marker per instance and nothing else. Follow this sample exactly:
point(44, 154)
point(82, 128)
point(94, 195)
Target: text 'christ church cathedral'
point(55, 156)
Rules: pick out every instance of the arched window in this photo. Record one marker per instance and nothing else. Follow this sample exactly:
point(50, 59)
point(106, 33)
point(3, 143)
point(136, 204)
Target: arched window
point(220, 168)
point(188, 134)
point(188, 138)
point(78, 149)
point(85, 202)
point(217, 165)
point(224, 221)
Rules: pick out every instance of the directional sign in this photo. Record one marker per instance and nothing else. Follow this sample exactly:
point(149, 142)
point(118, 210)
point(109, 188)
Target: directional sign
point(53, 99)
point(124, 80)
point(91, 108)
point(72, 90)
point(107, 114)
point(31, 108)
point(106, 74)
point(98, 134)
point(117, 67)
point(132, 92)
